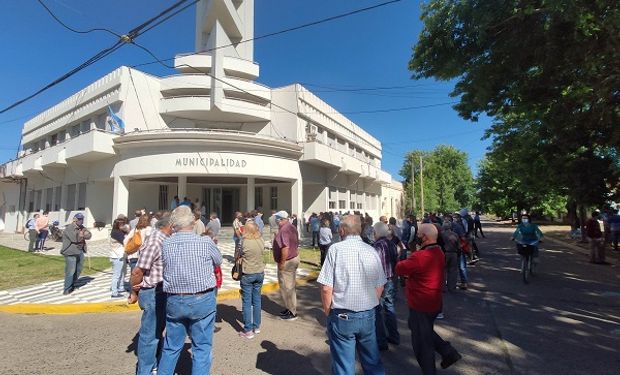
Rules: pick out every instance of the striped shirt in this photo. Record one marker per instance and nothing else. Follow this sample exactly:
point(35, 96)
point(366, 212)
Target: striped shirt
point(150, 260)
point(388, 254)
point(188, 261)
point(353, 269)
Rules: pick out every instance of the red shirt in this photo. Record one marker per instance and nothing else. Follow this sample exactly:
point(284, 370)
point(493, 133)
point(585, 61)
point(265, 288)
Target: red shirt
point(424, 270)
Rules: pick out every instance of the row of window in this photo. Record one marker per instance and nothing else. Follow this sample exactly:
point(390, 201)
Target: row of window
point(357, 200)
point(50, 199)
point(331, 140)
point(100, 122)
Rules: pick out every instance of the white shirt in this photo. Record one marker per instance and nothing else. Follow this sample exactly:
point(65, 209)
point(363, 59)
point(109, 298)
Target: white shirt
point(325, 236)
point(354, 271)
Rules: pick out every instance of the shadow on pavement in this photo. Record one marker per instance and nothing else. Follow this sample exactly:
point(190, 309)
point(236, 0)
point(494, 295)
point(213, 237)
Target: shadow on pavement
point(276, 361)
point(230, 315)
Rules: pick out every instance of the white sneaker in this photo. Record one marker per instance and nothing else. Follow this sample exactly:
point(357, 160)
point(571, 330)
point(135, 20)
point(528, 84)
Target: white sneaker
point(440, 316)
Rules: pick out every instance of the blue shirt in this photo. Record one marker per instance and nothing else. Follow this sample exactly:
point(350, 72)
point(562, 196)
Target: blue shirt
point(188, 261)
point(315, 223)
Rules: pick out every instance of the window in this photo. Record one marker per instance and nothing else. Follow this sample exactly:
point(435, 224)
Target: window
point(31, 201)
point(54, 140)
point(274, 197)
point(332, 198)
point(57, 197)
point(163, 197)
point(62, 136)
point(332, 205)
point(258, 197)
point(101, 122)
point(342, 203)
point(85, 127)
point(38, 194)
point(81, 196)
point(71, 197)
point(49, 198)
point(75, 131)
point(352, 200)
point(360, 200)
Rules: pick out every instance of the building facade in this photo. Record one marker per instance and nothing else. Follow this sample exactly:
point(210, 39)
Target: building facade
point(210, 132)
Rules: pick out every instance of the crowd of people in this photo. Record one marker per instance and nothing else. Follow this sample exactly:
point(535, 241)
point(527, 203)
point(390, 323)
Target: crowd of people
point(175, 274)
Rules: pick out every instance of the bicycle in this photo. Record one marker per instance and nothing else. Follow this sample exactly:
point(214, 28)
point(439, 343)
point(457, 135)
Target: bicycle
point(527, 249)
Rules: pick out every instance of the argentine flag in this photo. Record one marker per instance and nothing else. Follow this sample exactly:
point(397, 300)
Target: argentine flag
point(116, 124)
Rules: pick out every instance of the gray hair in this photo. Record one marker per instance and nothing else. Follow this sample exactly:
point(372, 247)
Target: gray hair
point(182, 218)
point(351, 225)
point(381, 230)
point(163, 222)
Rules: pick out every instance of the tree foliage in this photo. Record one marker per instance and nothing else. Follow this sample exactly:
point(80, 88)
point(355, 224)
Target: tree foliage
point(548, 72)
point(448, 180)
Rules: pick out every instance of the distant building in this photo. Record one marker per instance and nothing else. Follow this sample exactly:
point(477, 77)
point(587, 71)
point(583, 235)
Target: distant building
point(210, 132)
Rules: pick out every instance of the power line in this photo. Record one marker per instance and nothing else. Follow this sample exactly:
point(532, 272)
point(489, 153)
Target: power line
point(72, 29)
point(397, 109)
point(275, 33)
point(127, 38)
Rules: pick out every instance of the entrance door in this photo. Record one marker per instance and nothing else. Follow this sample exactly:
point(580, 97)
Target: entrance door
point(230, 204)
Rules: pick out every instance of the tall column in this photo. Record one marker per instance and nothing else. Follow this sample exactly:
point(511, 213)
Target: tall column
point(250, 201)
point(182, 187)
point(296, 197)
point(120, 201)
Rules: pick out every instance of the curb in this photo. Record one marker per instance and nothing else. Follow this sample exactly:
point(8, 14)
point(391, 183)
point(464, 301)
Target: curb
point(116, 307)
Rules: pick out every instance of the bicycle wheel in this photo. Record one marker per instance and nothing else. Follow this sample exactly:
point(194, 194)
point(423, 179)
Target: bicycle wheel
point(526, 262)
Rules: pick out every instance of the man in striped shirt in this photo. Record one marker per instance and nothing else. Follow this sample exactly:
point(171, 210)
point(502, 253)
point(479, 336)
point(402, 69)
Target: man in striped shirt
point(385, 318)
point(147, 290)
point(189, 281)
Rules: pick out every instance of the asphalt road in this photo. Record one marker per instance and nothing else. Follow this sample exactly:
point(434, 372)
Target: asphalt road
point(566, 321)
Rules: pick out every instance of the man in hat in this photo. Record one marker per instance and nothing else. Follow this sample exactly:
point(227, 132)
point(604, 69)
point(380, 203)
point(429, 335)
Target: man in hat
point(73, 248)
point(286, 256)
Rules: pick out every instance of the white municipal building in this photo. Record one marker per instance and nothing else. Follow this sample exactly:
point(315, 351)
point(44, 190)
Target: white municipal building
point(209, 132)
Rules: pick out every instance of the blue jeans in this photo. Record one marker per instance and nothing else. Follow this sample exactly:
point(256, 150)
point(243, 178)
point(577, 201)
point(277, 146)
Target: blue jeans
point(153, 304)
point(251, 285)
point(41, 239)
point(194, 314)
point(425, 341)
point(348, 331)
point(118, 275)
point(385, 316)
point(73, 268)
point(462, 262)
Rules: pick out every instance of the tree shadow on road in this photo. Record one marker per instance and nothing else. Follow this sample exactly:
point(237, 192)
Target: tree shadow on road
point(276, 361)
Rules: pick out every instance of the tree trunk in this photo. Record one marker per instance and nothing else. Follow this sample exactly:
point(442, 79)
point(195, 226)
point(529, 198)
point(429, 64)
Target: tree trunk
point(582, 222)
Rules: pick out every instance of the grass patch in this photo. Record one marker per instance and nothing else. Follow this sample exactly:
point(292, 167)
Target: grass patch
point(19, 268)
point(308, 255)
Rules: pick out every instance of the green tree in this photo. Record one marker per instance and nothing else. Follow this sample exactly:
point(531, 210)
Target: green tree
point(544, 68)
point(448, 181)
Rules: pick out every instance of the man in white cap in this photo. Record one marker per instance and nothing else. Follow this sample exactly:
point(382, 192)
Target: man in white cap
point(286, 256)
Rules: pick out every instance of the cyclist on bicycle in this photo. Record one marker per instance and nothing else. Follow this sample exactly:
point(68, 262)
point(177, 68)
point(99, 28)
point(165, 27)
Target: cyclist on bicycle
point(529, 233)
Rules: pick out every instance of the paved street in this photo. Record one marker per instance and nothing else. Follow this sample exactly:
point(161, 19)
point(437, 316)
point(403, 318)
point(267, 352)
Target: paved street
point(567, 321)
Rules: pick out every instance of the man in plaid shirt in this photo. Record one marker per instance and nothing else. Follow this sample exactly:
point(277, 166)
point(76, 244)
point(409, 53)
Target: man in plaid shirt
point(147, 290)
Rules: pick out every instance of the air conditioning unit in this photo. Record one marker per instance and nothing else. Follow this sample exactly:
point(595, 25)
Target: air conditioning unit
point(313, 131)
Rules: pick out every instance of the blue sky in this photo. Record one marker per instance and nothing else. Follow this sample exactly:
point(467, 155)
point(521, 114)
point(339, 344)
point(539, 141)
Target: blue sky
point(367, 50)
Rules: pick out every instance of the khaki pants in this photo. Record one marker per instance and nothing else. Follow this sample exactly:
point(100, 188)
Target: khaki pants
point(286, 279)
point(597, 250)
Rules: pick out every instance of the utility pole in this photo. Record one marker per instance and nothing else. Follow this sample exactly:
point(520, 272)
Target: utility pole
point(413, 186)
point(421, 185)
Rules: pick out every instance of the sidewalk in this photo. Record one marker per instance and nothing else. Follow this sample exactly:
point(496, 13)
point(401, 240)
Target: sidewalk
point(95, 289)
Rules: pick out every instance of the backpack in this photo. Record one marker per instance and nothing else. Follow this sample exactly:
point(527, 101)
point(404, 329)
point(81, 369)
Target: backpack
point(134, 243)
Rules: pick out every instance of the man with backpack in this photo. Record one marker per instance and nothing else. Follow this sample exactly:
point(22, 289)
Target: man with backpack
point(33, 233)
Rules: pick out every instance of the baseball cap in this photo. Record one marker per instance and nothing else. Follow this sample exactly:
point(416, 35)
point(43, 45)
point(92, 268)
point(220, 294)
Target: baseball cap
point(78, 216)
point(281, 215)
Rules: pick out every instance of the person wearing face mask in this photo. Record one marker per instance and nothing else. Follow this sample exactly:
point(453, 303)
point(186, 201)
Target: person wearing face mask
point(424, 272)
point(528, 232)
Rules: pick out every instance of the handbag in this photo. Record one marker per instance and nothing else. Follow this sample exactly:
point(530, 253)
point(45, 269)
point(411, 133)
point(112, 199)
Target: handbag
point(134, 243)
point(237, 269)
point(465, 247)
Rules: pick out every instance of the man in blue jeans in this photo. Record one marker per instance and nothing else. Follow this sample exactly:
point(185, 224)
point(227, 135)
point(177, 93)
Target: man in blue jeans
point(73, 248)
point(352, 283)
point(147, 290)
point(385, 321)
point(189, 282)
